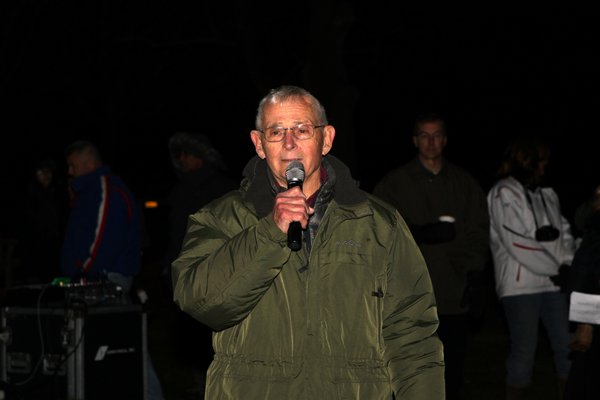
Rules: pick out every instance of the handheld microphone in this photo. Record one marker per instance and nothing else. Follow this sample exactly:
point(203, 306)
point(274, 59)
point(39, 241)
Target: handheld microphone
point(294, 174)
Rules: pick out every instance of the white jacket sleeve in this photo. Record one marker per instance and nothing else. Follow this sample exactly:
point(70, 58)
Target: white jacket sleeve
point(513, 227)
point(567, 241)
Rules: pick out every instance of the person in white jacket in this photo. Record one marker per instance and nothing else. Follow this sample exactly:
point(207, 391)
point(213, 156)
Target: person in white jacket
point(532, 246)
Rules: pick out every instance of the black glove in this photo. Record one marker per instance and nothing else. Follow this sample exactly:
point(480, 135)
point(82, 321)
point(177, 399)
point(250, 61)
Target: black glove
point(562, 279)
point(437, 232)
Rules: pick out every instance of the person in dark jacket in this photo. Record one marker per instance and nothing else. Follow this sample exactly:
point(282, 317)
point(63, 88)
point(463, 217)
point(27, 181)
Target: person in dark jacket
point(349, 314)
point(446, 211)
point(202, 177)
point(582, 381)
point(46, 210)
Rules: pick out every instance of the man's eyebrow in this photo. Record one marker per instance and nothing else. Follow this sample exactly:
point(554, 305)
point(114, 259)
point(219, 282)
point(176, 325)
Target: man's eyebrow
point(431, 133)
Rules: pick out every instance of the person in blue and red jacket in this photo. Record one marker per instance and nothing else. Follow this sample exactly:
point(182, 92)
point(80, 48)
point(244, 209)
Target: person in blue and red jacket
point(103, 234)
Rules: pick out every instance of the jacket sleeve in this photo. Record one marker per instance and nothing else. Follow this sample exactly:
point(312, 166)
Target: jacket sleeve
point(567, 242)
point(223, 271)
point(471, 250)
point(83, 234)
point(585, 274)
point(413, 351)
point(516, 232)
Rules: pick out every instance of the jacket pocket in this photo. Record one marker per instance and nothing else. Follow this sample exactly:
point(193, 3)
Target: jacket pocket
point(245, 367)
point(361, 379)
point(359, 371)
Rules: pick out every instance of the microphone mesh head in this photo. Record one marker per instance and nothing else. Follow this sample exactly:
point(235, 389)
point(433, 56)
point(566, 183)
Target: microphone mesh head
point(294, 172)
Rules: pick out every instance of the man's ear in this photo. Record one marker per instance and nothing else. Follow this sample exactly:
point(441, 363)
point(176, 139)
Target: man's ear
point(328, 136)
point(257, 140)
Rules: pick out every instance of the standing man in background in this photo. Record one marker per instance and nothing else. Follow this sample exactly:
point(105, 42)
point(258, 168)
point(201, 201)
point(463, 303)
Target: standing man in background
point(446, 211)
point(201, 178)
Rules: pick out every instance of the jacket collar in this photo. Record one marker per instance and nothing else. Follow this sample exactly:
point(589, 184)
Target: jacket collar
point(260, 187)
point(420, 170)
point(82, 182)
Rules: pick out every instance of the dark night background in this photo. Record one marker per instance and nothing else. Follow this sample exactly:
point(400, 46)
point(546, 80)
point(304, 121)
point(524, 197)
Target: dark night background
point(128, 75)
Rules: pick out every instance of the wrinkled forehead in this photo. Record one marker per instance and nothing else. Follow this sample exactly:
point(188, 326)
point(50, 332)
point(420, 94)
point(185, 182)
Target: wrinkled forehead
point(296, 110)
point(431, 127)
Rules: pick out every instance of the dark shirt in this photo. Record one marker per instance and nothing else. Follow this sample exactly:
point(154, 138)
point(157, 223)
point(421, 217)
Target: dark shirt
point(585, 268)
point(194, 190)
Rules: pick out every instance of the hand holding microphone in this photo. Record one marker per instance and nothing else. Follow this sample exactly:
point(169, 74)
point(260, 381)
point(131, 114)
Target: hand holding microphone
point(291, 211)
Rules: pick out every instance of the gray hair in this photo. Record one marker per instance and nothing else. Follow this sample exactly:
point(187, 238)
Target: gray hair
point(290, 93)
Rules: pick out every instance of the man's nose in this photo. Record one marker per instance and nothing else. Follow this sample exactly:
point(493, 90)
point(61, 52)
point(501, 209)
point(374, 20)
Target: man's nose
point(289, 138)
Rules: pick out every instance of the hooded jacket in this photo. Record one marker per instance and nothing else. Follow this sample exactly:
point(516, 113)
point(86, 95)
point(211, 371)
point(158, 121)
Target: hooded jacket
point(354, 317)
point(522, 264)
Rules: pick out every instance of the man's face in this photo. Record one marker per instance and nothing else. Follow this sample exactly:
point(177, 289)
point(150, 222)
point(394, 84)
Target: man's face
point(80, 164)
point(430, 140)
point(189, 162)
point(44, 176)
point(309, 151)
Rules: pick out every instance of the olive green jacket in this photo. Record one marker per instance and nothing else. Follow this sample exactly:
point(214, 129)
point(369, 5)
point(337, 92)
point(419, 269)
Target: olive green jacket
point(353, 318)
